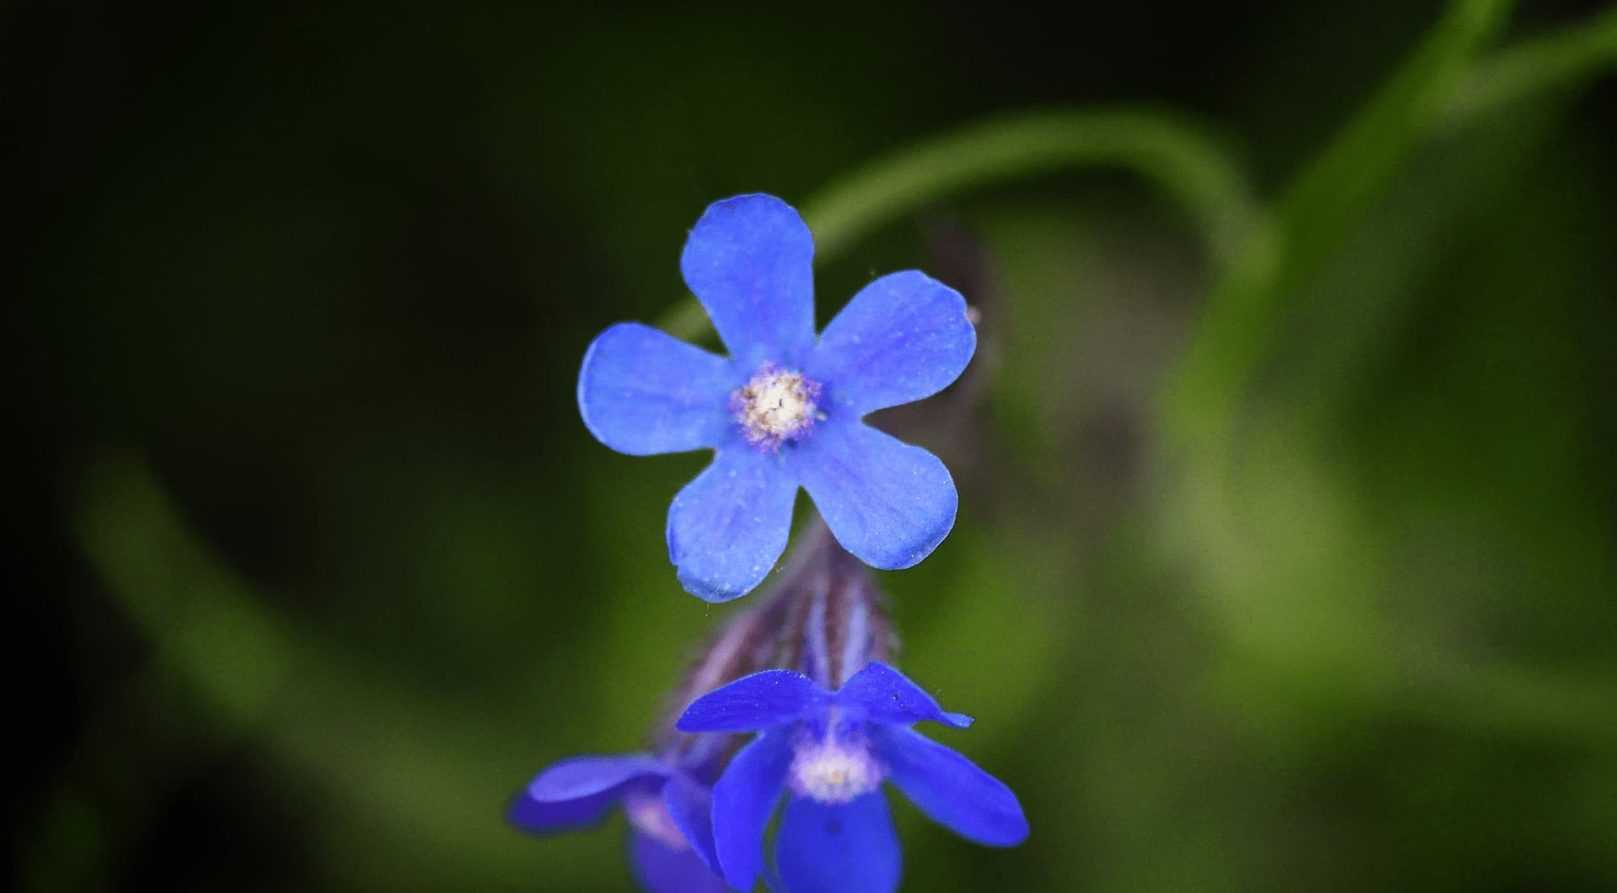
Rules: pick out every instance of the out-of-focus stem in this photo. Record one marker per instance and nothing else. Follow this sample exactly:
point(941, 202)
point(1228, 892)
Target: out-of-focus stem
point(1174, 154)
point(1534, 67)
point(1239, 322)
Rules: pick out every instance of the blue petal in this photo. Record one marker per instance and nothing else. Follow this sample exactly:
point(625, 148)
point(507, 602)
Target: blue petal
point(742, 802)
point(727, 527)
point(642, 391)
point(579, 791)
point(750, 262)
point(752, 703)
point(543, 817)
point(903, 337)
point(838, 848)
point(660, 868)
point(950, 789)
point(884, 695)
point(887, 502)
point(690, 805)
point(586, 776)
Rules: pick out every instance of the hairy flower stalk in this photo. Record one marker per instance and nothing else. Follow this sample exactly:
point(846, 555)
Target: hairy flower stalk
point(823, 616)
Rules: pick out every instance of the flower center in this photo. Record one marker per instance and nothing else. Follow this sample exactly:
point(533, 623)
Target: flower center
point(775, 406)
point(650, 817)
point(833, 771)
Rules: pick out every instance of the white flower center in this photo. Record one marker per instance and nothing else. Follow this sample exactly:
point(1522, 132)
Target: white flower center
point(775, 406)
point(833, 771)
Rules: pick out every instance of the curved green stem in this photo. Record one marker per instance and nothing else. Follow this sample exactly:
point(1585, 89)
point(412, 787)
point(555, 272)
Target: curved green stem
point(1189, 166)
point(263, 677)
point(1260, 258)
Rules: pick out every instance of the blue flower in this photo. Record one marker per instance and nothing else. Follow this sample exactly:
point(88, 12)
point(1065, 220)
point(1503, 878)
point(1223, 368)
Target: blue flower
point(784, 409)
point(831, 751)
point(667, 804)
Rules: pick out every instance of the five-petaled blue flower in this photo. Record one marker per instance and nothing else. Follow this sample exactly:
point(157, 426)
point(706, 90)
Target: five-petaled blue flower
point(784, 409)
point(667, 803)
point(832, 751)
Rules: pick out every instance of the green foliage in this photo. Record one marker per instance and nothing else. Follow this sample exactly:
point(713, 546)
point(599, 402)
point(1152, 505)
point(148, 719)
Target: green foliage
point(1316, 572)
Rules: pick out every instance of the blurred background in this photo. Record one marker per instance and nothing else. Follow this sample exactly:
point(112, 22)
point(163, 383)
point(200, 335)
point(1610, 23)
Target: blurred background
point(1286, 555)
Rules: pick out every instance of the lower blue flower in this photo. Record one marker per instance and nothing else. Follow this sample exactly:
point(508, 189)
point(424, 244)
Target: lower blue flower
point(830, 752)
point(668, 807)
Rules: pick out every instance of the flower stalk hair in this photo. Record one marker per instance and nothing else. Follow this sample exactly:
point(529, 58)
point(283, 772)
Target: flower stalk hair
point(784, 410)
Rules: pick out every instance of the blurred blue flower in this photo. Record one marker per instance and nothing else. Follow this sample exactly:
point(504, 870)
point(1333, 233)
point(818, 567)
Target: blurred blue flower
point(668, 807)
point(784, 409)
point(831, 751)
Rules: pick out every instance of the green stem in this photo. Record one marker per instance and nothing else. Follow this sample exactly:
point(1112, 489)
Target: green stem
point(1190, 167)
point(264, 678)
point(1535, 67)
point(244, 660)
point(1260, 258)
point(1241, 318)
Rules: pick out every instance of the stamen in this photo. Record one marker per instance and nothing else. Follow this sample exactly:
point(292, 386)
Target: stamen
point(775, 406)
point(834, 771)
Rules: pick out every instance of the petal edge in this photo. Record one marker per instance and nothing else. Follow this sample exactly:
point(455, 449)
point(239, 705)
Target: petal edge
point(643, 392)
point(952, 790)
point(662, 869)
point(743, 800)
point(886, 501)
point(750, 261)
point(752, 703)
point(729, 525)
point(903, 337)
point(889, 697)
point(844, 848)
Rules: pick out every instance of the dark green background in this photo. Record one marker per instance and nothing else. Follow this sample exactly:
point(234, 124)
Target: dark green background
point(315, 563)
